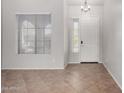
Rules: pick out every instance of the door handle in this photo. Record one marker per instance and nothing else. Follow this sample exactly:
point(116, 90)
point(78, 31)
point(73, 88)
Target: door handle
point(81, 42)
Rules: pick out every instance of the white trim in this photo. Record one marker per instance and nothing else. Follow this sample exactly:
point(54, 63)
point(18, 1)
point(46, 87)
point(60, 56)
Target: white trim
point(77, 62)
point(100, 62)
point(31, 68)
point(112, 76)
point(78, 4)
point(65, 65)
point(31, 13)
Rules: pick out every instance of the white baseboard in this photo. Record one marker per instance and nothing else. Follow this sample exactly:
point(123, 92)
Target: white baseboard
point(112, 76)
point(100, 62)
point(73, 62)
point(31, 68)
point(79, 62)
point(65, 65)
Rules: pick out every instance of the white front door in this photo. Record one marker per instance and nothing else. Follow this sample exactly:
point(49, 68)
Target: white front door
point(89, 39)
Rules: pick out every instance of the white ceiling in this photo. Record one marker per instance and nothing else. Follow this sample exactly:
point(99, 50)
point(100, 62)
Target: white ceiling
point(93, 2)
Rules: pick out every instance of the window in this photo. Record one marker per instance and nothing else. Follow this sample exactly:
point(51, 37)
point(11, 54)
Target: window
point(34, 33)
point(75, 37)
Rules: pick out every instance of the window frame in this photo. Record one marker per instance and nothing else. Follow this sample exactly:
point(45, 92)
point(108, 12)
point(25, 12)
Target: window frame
point(35, 40)
point(77, 20)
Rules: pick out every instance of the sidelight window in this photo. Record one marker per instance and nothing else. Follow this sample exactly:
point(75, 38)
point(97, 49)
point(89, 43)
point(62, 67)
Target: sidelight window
point(75, 37)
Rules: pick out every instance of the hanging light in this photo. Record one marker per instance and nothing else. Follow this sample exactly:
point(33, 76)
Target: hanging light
point(85, 7)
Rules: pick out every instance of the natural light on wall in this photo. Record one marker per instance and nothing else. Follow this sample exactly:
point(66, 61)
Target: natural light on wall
point(75, 37)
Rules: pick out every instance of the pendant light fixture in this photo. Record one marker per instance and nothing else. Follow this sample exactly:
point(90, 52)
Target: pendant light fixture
point(85, 7)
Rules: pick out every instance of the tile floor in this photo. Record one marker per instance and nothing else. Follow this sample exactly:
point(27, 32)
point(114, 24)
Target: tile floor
point(76, 78)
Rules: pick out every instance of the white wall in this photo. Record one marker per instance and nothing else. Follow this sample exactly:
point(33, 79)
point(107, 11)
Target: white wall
point(66, 55)
point(10, 58)
point(75, 12)
point(112, 34)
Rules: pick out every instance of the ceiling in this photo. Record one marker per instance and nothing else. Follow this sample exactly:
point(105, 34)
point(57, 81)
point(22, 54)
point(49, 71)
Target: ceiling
point(92, 2)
